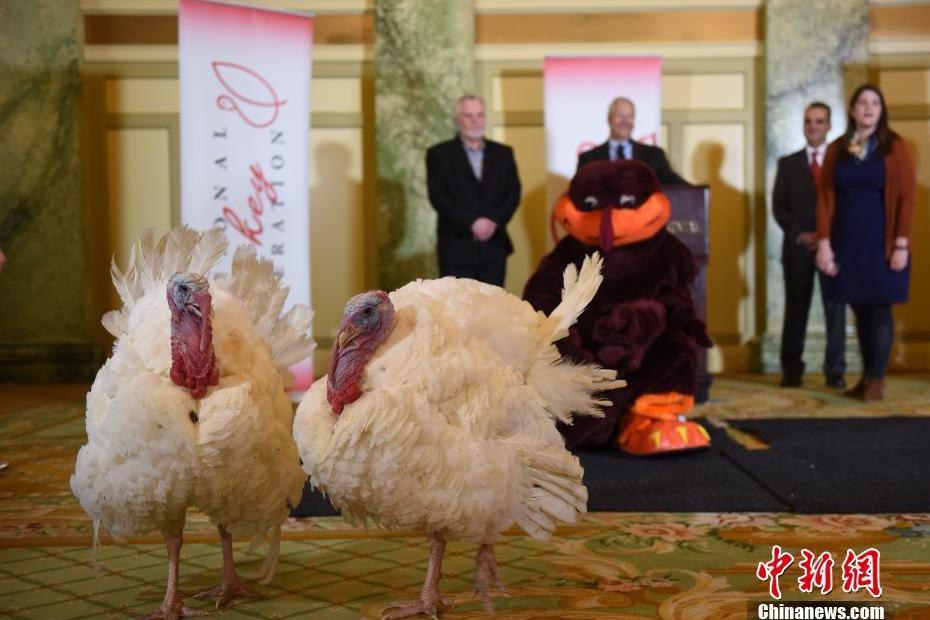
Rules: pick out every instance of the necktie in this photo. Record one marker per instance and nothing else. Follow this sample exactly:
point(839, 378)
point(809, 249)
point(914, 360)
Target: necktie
point(815, 168)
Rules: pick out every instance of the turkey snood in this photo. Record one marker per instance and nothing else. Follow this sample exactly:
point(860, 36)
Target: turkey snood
point(193, 361)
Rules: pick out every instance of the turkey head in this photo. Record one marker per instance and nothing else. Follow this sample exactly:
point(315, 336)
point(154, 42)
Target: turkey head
point(366, 323)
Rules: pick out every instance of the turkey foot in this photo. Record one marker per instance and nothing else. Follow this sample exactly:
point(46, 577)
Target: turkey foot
point(231, 586)
point(173, 611)
point(226, 592)
point(427, 606)
point(173, 606)
point(431, 603)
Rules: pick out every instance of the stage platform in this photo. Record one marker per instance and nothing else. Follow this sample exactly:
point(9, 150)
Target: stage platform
point(621, 564)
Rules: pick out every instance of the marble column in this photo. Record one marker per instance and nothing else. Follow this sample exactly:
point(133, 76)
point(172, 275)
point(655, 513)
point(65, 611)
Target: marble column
point(813, 51)
point(45, 331)
point(424, 61)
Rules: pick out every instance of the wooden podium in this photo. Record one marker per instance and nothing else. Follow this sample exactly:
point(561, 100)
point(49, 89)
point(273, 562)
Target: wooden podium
point(689, 223)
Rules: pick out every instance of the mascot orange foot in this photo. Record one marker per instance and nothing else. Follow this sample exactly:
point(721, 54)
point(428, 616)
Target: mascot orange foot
point(656, 425)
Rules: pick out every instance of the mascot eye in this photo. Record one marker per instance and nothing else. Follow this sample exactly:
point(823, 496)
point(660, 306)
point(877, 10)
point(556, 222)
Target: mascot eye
point(590, 202)
point(627, 199)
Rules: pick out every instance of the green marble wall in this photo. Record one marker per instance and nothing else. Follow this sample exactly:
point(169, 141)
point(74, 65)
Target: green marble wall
point(813, 51)
point(45, 327)
point(424, 62)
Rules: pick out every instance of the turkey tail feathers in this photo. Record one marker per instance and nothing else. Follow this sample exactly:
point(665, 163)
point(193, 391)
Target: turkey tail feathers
point(254, 281)
point(95, 544)
point(569, 389)
point(578, 289)
point(152, 262)
point(208, 252)
point(558, 492)
point(266, 571)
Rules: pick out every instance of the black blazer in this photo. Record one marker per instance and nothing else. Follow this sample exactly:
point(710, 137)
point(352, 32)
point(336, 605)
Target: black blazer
point(652, 156)
point(794, 200)
point(460, 198)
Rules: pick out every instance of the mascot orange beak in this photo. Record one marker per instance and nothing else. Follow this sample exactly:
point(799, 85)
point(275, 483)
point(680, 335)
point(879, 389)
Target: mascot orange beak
point(611, 227)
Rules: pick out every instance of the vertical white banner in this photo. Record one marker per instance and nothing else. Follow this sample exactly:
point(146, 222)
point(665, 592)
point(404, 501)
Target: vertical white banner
point(577, 92)
point(245, 124)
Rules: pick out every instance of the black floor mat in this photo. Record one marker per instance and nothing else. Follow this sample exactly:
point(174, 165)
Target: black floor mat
point(850, 465)
point(855, 465)
point(699, 481)
point(702, 481)
point(313, 504)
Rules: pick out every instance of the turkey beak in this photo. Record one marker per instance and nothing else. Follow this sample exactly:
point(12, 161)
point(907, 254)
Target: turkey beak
point(347, 335)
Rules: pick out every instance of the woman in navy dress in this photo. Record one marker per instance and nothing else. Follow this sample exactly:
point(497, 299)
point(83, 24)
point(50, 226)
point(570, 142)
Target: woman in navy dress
point(865, 205)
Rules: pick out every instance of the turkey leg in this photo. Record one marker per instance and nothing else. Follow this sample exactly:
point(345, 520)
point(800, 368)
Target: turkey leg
point(231, 586)
point(485, 571)
point(173, 606)
point(431, 603)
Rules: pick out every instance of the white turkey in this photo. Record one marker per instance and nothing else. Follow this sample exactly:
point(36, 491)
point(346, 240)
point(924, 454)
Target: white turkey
point(191, 408)
point(439, 414)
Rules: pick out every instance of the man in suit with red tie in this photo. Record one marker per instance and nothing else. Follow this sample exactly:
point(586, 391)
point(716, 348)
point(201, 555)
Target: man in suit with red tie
point(474, 186)
point(621, 118)
point(794, 200)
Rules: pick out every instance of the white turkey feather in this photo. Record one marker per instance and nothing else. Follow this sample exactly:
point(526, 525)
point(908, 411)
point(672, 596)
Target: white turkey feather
point(578, 290)
point(454, 432)
point(153, 450)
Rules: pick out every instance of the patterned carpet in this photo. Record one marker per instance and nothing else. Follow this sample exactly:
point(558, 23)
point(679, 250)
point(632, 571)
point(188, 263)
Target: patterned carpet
point(611, 565)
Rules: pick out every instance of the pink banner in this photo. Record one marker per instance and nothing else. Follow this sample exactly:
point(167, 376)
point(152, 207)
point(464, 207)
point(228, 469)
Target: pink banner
point(245, 124)
point(577, 93)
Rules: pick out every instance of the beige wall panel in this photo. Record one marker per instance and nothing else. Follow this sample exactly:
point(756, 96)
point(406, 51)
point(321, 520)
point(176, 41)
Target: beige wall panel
point(905, 86)
point(899, 21)
point(724, 91)
point(517, 94)
point(342, 95)
point(530, 224)
point(608, 27)
point(337, 243)
point(914, 317)
point(139, 186)
point(714, 155)
point(161, 96)
point(142, 96)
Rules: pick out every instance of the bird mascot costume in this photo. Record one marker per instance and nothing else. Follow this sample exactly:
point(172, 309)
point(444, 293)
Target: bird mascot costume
point(642, 322)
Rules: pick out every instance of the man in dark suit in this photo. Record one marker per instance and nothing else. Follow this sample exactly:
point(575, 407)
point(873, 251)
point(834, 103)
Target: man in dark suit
point(621, 117)
point(794, 200)
point(474, 186)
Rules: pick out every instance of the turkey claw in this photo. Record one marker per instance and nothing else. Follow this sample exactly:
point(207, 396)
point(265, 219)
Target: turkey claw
point(175, 613)
point(405, 609)
point(226, 593)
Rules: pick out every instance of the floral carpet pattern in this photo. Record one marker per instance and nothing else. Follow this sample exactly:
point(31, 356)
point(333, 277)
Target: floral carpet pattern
point(609, 565)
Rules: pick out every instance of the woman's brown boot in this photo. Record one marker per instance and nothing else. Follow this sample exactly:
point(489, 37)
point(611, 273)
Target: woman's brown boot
point(857, 390)
point(874, 389)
